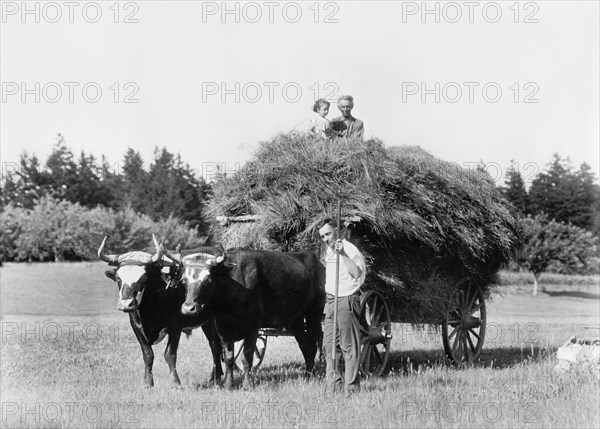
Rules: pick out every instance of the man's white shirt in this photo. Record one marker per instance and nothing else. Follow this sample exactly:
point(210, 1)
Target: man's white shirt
point(347, 284)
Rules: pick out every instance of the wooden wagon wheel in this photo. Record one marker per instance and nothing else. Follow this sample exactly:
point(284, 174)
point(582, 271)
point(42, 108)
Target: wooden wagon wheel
point(463, 330)
point(259, 352)
point(376, 333)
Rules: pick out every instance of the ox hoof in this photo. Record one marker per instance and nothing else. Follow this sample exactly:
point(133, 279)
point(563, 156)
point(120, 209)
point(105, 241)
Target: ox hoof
point(215, 383)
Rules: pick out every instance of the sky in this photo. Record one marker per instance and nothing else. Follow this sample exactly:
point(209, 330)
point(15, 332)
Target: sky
point(469, 82)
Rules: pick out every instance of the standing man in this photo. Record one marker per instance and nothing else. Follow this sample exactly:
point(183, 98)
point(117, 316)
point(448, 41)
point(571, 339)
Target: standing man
point(352, 271)
point(347, 125)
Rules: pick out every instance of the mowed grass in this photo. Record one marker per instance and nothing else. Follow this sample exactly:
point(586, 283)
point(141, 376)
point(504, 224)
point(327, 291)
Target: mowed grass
point(69, 359)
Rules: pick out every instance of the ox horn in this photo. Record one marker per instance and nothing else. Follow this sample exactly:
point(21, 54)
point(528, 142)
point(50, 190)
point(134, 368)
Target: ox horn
point(159, 251)
point(175, 257)
point(224, 257)
point(111, 259)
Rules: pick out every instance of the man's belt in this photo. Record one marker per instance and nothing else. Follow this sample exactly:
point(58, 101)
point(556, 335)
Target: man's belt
point(330, 296)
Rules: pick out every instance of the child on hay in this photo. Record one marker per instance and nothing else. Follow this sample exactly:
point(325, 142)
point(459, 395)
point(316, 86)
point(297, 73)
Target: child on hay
point(319, 125)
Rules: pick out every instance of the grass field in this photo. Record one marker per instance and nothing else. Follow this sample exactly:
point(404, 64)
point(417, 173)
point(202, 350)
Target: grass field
point(69, 359)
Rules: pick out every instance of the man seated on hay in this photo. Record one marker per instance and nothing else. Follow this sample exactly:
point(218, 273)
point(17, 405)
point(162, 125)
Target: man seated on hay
point(347, 125)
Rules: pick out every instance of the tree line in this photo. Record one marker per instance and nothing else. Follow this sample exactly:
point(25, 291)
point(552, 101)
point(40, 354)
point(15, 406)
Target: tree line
point(561, 192)
point(168, 187)
point(558, 214)
point(558, 219)
point(61, 209)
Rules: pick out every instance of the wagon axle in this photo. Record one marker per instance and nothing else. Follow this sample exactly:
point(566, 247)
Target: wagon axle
point(470, 322)
point(378, 335)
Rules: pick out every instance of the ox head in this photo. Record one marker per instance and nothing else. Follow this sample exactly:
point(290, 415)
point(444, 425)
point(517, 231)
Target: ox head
point(200, 270)
point(131, 274)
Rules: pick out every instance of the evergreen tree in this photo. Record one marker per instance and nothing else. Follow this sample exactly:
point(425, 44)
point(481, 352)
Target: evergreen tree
point(587, 198)
point(514, 190)
point(8, 191)
point(85, 186)
point(31, 183)
point(564, 195)
point(174, 190)
point(61, 168)
point(136, 181)
point(112, 185)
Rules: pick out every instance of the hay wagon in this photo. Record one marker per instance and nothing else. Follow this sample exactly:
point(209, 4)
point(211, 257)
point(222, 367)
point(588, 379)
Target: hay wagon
point(462, 320)
point(434, 234)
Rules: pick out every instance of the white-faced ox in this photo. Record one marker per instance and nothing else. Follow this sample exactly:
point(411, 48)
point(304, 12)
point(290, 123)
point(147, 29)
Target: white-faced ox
point(246, 290)
point(153, 299)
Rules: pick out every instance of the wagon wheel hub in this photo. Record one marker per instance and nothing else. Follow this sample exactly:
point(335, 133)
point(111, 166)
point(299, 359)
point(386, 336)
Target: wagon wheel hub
point(470, 322)
point(378, 335)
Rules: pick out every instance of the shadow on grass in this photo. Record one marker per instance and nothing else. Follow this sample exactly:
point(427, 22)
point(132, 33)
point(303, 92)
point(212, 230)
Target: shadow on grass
point(401, 363)
point(411, 361)
point(573, 294)
point(270, 375)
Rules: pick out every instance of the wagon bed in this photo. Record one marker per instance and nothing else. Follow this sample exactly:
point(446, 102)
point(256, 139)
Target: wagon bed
point(462, 321)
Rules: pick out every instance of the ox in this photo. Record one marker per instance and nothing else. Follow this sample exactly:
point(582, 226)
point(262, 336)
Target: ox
point(140, 275)
point(246, 290)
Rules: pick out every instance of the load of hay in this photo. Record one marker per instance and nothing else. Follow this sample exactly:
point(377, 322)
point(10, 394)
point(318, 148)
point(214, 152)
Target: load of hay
point(426, 227)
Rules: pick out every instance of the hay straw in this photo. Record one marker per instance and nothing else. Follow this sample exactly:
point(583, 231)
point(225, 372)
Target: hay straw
point(426, 224)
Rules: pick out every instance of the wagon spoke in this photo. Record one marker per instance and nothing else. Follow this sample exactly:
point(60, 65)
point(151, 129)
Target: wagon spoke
point(471, 343)
point(373, 308)
point(475, 333)
point(240, 350)
point(458, 345)
point(462, 301)
point(379, 313)
point(476, 308)
point(456, 341)
point(456, 322)
point(367, 315)
point(367, 361)
point(466, 351)
point(377, 355)
point(383, 324)
point(472, 300)
point(453, 333)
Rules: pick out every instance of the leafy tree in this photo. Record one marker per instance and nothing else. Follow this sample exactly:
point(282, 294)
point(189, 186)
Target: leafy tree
point(514, 190)
point(548, 241)
point(169, 191)
point(56, 230)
